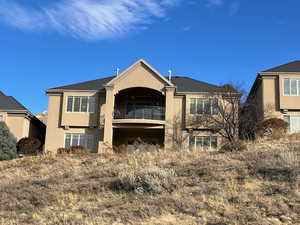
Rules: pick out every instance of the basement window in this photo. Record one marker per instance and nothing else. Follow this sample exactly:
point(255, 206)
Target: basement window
point(85, 140)
point(294, 123)
point(203, 142)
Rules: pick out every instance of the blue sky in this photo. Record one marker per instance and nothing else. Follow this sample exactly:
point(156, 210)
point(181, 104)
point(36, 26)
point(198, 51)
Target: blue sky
point(46, 43)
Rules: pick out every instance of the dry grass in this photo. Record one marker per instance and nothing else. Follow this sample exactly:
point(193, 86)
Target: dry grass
point(259, 186)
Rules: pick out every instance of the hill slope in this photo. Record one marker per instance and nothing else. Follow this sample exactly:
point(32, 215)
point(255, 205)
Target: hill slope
point(258, 186)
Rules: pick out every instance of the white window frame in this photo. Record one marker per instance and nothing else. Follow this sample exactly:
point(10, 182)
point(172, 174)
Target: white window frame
point(79, 135)
point(201, 136)
point(81, 97)
point(289, 122)
point(211, 100)
point(290, 87)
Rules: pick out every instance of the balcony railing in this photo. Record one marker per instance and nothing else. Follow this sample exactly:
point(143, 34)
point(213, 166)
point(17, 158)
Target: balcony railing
point(142, 112)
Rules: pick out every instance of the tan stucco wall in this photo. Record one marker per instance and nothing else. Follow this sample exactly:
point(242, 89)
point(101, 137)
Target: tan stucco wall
point(288, 102)
point(55, 134)
point(18, 125)
point(139, 76)
point(79, 118)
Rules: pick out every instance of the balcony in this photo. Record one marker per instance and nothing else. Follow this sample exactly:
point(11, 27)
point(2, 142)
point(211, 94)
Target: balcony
point(141, 112)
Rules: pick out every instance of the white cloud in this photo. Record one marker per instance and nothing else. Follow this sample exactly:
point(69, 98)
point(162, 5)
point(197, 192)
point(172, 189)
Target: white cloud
point(86, 19)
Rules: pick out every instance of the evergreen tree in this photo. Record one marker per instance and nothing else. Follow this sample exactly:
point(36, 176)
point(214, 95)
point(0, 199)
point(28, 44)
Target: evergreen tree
point(8, 148)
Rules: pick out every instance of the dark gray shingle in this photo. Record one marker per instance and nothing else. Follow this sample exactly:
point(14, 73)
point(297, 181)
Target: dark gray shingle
point(183, 84)
point(289, 67)
point(10, 103)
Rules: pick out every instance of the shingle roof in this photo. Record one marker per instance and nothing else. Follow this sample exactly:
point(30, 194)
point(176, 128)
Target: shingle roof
point(289, 67)
point(183, 84)
point(10, 103)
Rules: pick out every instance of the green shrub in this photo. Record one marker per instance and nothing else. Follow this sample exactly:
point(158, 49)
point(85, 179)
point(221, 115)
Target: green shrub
point(30, 146)
point(8, 149)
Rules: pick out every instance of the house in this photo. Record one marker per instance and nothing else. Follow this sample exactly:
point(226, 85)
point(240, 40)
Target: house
point(276, 93)
point(20, 121)
point(139, 103)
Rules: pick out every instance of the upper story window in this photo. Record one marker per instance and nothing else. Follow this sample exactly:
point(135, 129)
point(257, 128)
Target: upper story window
point(292, 87)
point(81, 104)
point(203, 106)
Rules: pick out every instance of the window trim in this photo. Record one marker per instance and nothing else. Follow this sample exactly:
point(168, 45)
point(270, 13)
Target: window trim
point(198, 99)
point(73, 104)
point(289, 123)
point(79, 135)
point(290, 86)
point(202, 136)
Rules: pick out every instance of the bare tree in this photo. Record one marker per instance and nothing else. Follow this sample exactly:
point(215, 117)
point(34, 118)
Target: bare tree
point(218, 112)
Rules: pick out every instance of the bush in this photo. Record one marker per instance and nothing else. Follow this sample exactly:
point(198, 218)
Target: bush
point(8, 149)
point(30, 146)
point(73, 150)
point(273, 127)
point(149, 180)
point(236, 146)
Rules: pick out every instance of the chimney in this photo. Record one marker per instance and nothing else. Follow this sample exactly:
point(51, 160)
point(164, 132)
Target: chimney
point(170, 75)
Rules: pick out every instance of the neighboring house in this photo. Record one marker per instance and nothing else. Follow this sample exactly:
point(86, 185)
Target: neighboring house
point(139, 103)
point(276, 93)
point(43, 116)
point(19, 120)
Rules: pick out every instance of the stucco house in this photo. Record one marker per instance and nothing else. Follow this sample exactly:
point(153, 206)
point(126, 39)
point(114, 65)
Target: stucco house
point(20, 121)
point(138, 103)
point(276, 93)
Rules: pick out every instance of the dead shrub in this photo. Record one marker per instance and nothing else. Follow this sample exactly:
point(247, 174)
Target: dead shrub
point(149, 180)
point(29, 146)
point(236, 146)
point(80, 150)
point(278, 166)
point(273, 128)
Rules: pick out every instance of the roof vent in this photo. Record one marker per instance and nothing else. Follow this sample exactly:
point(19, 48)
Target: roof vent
point(117, 71)
point(170, 74)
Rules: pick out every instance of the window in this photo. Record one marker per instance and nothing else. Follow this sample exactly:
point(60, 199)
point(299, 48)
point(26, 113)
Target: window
point(81, 104)
point(203, 142)
point(291, 87)
point(205, 106)
point(1, 118)
point(84, 140)
point(294, 123)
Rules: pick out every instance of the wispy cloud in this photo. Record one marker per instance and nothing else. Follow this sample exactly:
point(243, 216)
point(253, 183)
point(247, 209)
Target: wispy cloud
point(86, 19)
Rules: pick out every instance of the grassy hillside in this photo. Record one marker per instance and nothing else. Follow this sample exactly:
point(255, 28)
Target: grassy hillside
point(259, 186)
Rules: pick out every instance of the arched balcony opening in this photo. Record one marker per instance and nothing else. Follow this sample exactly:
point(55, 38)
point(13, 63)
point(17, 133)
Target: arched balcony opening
point(139, 104)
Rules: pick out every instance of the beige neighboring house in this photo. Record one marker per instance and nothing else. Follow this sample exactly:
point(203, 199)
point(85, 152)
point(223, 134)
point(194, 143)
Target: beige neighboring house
point(276, 92)
point(20, 121)
point(138, 103)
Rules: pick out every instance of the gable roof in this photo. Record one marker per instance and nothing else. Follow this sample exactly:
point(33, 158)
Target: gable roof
point(10, 103)
point(92, 85)
point(182, 83)
point(289, 67)
point(141, 61)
